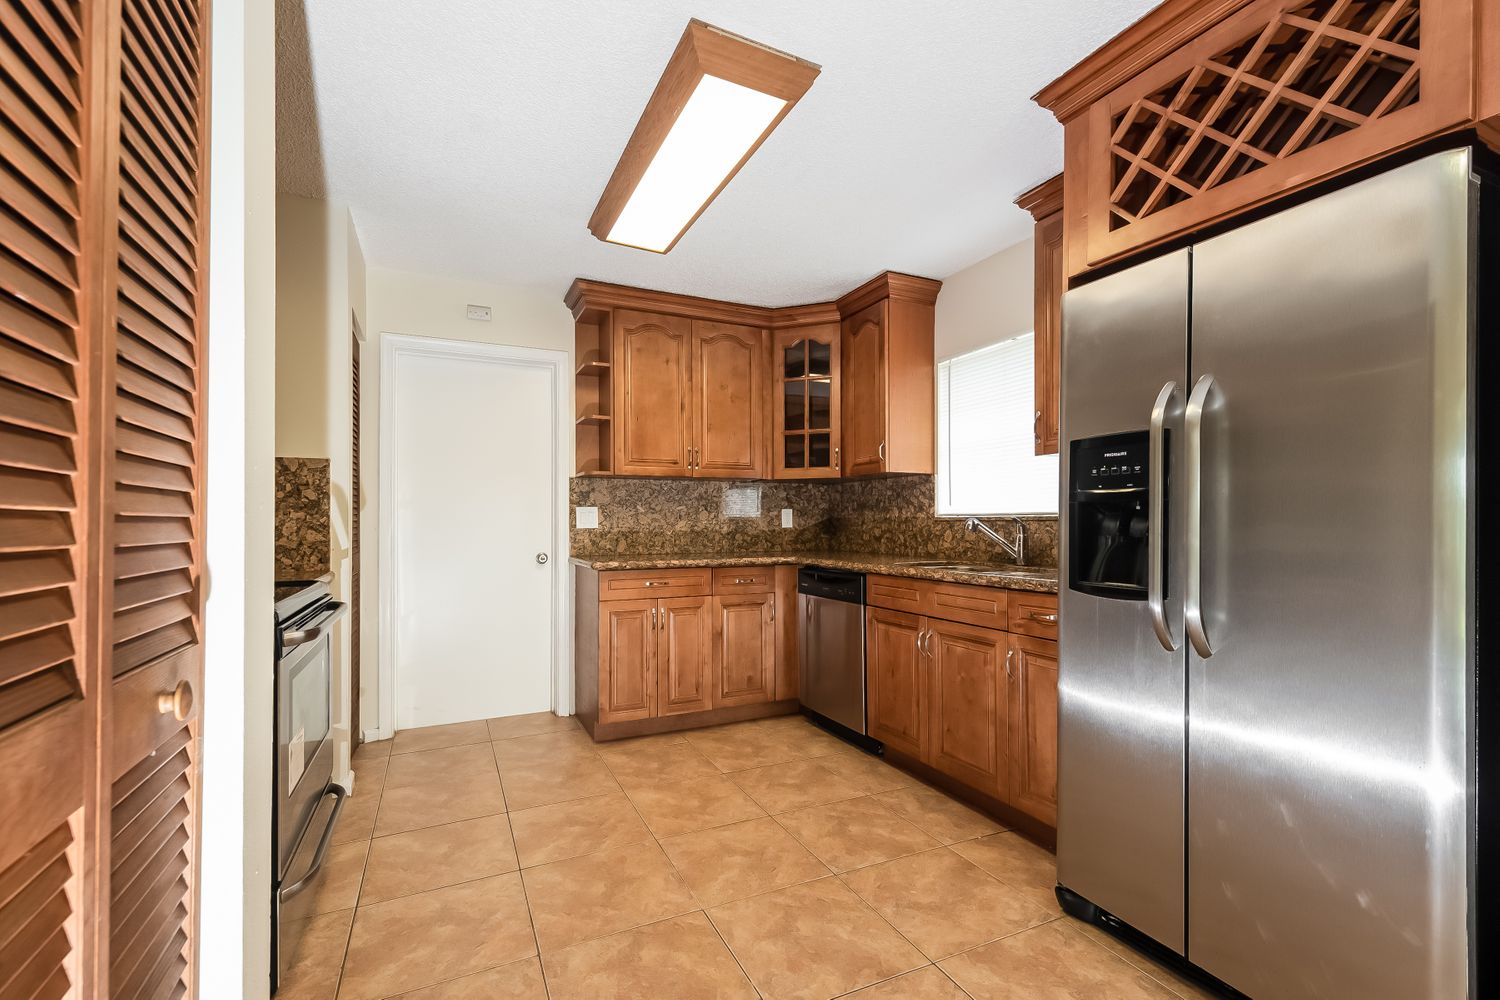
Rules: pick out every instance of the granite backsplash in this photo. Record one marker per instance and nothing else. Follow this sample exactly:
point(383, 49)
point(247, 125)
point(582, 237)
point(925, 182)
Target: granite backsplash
point(892, 516)
point(303, 532)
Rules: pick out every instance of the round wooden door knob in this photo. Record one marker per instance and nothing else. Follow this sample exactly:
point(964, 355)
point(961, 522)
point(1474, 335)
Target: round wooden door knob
point(178, 701)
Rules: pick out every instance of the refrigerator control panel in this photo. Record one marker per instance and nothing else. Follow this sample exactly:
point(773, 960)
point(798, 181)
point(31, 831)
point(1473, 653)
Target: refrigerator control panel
point(1116, 462)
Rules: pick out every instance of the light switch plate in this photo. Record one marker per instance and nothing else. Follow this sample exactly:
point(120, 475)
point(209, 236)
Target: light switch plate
point(786, 517)
point(586, 517)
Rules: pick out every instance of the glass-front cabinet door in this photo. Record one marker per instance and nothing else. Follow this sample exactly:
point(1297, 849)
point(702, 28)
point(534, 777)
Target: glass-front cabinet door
point(806, 370)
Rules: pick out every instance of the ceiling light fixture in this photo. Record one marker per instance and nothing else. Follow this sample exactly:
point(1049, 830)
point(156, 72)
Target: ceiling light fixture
point(716, 102)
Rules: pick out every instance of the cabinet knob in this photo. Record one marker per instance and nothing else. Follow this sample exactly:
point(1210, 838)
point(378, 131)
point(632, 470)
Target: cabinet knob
point(178, 701)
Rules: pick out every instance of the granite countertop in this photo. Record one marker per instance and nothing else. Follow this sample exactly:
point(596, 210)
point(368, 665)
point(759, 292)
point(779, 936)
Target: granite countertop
point(1041, 579)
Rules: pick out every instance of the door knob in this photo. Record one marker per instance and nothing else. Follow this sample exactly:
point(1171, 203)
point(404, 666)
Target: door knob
point(541, 558)
point(178, 701)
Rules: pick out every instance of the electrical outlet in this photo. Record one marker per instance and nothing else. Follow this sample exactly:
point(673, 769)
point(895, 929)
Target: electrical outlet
point(786, 517)
point(480, 313)
point(586, 517)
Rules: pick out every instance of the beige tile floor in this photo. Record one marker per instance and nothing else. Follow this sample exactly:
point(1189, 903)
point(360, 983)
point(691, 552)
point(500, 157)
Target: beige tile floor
point(516, 858)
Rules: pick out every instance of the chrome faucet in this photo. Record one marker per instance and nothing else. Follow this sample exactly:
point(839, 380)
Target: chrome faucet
point(1017, 549)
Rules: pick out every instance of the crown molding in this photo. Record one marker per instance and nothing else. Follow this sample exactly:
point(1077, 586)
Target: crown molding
point(1043, 200)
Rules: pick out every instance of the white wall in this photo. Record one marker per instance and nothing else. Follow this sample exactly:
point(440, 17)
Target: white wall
point(320, 296)
point(427, 305)
point(234, 954)
point(986, 302)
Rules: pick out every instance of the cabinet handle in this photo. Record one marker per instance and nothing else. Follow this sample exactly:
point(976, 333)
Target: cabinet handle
point(881, 451)
point(773, 607)
point(745, 579)
point(1036, 426)
point(922, 637)
point(835, 460)
point(653, 618)
point(1047, 619)
point(1010, 654)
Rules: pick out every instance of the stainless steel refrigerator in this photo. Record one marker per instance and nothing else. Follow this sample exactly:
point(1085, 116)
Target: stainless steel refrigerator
point(1267, 701)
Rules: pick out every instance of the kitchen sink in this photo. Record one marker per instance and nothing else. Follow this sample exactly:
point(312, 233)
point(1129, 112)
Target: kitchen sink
point(988, 570)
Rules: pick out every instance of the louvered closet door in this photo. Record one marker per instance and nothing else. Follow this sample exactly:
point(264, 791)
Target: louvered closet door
point(155, 651)
point(46, 722)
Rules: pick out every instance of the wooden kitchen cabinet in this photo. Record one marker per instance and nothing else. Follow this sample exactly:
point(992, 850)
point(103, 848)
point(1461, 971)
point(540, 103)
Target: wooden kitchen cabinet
point(970, 715)
point(653, 363)
point(673, 385)
point(888, 388)
point(1050, 280)
point(1203, 110)
point(807, 403)
point(728, 401)
point(684, 636)
point(896, 681)
point(627, 671)
point(973, 699)
point(744, 649)
point(1033, 726)
point(657, 650)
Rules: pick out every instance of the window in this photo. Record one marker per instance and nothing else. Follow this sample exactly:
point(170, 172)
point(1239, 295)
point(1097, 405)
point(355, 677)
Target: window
point(987, 461)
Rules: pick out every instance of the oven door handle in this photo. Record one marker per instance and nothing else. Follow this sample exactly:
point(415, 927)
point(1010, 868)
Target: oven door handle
point(302, 636)
point(288, 891)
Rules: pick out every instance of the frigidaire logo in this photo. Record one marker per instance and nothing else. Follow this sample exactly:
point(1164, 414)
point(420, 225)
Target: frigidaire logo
point(1114, 454)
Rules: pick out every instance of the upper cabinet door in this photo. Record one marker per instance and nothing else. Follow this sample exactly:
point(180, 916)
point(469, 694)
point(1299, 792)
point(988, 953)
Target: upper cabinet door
point(652, 394)
point(806, 403)
point(729, 422)
point(1051, 282)
point(865, 390)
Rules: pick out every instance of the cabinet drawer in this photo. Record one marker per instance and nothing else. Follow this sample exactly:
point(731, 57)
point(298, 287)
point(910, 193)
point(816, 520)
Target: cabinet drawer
point(1033, 614)
point(744, 580)
point(638, 584)
point(895, 593)
point(961, 602)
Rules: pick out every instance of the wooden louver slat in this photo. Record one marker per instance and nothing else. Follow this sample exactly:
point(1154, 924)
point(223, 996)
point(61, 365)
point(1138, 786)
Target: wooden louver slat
point(35, 913)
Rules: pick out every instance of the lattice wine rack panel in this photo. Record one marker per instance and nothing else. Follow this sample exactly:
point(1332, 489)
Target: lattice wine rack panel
point(1312, 73)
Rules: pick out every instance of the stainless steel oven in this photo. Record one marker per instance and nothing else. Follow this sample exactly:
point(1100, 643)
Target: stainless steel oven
point(307, 801)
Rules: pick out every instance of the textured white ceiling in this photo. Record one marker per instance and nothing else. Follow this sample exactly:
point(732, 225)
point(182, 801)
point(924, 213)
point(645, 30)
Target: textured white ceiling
point(473, 137)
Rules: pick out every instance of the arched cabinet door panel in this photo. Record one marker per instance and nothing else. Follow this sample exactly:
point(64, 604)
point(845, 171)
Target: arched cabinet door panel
point(653, 392)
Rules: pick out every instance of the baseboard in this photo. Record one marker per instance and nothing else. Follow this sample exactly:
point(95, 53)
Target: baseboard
point(604, 731)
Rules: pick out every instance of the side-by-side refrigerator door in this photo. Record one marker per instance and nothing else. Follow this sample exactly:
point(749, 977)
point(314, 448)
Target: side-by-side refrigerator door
point(1121, 686)
point(1329, 435)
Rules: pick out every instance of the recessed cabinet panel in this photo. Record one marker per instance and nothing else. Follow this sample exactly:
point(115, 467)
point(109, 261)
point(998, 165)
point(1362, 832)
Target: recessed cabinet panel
point(896, 673)
point(728, 401)
point(744, 649)
point(683, 640)
point(969, 712)
point(627, 644)
point(654, 358)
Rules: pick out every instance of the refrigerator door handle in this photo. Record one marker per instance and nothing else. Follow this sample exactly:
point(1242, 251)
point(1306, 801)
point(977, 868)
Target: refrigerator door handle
point(1192, 600)
point(1155, 525)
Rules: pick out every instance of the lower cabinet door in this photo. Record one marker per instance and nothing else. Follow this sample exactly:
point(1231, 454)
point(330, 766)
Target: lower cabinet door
point(627, 654)
point(896, 680)
point(969, 716)
point(683, 640)
point(744, 643)
point(1033, 727)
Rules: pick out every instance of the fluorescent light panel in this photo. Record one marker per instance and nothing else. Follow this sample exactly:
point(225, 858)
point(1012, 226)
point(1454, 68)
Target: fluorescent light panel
point(720, 123)
point(718, 99)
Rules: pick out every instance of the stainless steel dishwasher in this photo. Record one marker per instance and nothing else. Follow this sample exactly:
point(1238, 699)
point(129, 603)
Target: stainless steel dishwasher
point(831, 640)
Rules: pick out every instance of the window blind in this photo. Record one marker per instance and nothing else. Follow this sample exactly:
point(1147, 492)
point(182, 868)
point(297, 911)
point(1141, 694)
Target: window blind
point(986, 437)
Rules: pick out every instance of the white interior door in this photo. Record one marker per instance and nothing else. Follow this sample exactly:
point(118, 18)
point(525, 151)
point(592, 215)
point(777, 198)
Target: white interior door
point(473, 495)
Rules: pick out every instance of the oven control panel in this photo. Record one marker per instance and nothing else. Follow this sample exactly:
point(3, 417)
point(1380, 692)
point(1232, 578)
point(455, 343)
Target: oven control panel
point(1117, 462)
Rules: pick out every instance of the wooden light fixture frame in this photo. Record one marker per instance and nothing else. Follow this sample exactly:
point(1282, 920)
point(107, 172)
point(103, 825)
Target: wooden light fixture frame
point(703, 50)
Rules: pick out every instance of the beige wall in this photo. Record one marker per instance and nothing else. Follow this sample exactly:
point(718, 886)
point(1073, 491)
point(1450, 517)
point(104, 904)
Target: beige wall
point(429, 305)
point(320, 296)
point(234, 954)
point(986, 302)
